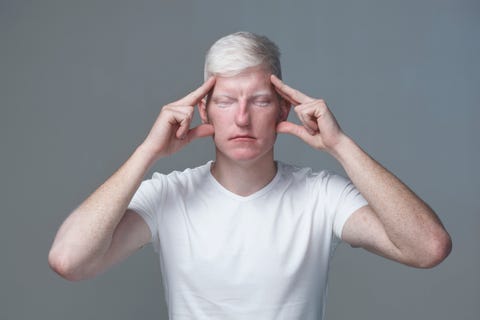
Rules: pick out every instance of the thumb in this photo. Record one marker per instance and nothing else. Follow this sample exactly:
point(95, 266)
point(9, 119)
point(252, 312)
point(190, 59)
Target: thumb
point(203, 130)
point(293, 129)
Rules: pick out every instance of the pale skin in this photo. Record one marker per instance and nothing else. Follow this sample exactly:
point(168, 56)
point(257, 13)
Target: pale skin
point(396, 224)
point(243, 116)
point(101, 231)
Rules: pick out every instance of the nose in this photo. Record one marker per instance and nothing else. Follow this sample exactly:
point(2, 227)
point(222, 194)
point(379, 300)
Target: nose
point(242, 114)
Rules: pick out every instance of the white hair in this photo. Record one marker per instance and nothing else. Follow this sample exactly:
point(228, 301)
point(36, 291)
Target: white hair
point(236, 52)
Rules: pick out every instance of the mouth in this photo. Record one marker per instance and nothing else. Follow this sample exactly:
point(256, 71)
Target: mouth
point(242, 138)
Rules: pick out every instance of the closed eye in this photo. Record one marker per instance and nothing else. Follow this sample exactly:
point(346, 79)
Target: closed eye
point(262, 103)
point(262, 99)
point(223, 104)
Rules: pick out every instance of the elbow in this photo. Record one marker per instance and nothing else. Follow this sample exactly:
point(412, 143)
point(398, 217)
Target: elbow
point(438, 250)
point(62, 265)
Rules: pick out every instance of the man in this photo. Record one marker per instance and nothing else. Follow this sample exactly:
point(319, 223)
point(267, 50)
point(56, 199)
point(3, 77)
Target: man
point(244, 236)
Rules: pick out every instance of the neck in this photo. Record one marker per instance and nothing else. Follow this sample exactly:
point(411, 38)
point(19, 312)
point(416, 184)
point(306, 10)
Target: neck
point(246, 177)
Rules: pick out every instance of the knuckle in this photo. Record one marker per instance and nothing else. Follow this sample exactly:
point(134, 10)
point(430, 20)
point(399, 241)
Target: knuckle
point(193, 96)
point(165, 109)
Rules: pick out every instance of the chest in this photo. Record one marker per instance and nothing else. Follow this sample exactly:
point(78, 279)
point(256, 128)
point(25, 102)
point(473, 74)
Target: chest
point(232, 242)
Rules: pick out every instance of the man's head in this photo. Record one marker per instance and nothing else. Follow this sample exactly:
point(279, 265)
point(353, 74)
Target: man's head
point(243, 106)
point(236, 52)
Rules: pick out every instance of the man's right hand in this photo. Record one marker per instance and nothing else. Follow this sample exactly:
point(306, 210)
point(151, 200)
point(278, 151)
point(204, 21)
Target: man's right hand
point(102, 231)
point(171, 131)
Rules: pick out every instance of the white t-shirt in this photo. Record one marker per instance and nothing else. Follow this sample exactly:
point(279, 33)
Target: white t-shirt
point(264, 256)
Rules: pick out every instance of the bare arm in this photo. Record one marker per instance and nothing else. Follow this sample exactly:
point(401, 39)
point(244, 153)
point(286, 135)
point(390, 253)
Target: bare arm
point(85, 236)
point(396, 224)
point(101, 232)
point(414, 234)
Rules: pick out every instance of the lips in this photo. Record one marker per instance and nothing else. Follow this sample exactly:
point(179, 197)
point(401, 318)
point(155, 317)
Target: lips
point(242, 137)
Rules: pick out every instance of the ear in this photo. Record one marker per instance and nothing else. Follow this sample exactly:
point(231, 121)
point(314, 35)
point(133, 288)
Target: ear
point(202, 110)
point(285, 107)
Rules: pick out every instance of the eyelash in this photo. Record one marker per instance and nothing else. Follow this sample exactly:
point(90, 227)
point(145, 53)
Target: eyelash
point(257, 103)
point(223, 104)
point(262, 103)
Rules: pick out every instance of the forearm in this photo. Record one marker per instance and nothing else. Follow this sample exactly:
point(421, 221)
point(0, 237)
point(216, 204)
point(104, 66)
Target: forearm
point(83, 244)
point(409, 222)
point(397, 223)
point(86, 234)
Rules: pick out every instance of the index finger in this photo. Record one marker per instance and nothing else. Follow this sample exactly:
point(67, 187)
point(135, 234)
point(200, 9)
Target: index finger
point(195, 96)
point(294, 96)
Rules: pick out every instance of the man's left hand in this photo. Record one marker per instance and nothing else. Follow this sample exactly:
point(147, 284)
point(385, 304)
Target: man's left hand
point(320, 128)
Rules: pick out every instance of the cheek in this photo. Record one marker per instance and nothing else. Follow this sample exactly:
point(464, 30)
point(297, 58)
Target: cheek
point(270, 119)
point(219, 123)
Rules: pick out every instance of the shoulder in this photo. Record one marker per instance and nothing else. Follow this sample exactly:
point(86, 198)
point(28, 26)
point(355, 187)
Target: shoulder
point(308, 174)
point(324, 183)
point(161, 188)
point(182, 179)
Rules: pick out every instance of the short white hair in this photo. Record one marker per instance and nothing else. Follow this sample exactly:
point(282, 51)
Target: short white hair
point(236, 52)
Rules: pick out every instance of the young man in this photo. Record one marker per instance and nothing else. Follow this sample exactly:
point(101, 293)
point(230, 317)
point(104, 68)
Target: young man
point(244, 236)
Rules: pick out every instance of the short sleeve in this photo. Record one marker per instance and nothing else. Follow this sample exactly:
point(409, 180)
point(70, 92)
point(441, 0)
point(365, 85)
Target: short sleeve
point(343, 199)
point(147, 201)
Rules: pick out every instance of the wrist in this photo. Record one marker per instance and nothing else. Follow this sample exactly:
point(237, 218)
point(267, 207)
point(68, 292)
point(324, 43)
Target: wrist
point(343, 148)
point(147, 153)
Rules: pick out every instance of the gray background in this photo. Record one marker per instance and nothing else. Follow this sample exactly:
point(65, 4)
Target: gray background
point(81, 83)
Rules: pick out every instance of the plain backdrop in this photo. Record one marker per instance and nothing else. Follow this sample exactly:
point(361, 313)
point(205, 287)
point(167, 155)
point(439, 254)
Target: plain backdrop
point(81, 83)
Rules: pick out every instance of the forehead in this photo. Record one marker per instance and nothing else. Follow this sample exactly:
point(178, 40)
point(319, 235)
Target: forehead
point(247, 82)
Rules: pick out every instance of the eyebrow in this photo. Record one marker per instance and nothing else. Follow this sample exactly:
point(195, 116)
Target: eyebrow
point(262, 94)
point(219, 96)
point(255, 95)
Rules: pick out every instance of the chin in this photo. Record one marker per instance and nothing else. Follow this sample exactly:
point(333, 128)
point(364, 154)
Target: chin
point(245, 155)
